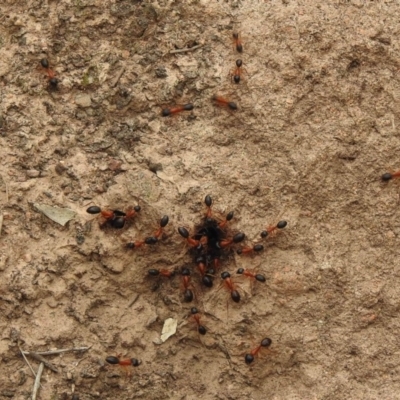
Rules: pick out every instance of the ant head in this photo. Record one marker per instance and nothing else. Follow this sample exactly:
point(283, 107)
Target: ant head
point(154, 272)
point(164, 221)
point(137, 208)
point(281, 224)
point(208, 200)
point(258, 247)
point(94, 210)
point(225, 275)
point(264, 234)
point(249, 358)
point(229, 216)
point(183, 232)
point(386, 177)
point(207, 281)
point(194, 310)
point(135, 362)
point(239, 63)
point(202, 330)
point(118, 222)
point(239, 237)
point(151, 240)
point(112, 360)
point(240, 271)
point(44, 62)
point(266, 342)
point(185, 271)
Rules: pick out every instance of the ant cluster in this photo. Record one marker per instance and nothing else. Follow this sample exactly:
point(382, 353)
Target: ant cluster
point(210, 246)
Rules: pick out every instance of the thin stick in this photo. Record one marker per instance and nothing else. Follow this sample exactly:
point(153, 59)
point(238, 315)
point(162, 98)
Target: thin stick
point(26, 360)
point(118, 77)
point(133, 301)
point(50, 352)
point(44, 361)
point(37, 381)
point(186, 49)
point(6, 185)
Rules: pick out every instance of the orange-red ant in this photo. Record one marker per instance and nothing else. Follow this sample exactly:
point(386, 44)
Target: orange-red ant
point(51, 74)
point(150, 240)
point(246, 272)
point(115, 218)
point(166, 112)
point(237, 72)
point(205, 274)
point(221, 101)
point(271, 229)
point(250, 250)
point(249, 358)
point(163, 223)
point(196, 316)
point(238, 42)
point(188, 293)
point(124, 363)
point(388, 176)
point(239, 237)
point(235, 295)
point(185, 234)
point(163, 272)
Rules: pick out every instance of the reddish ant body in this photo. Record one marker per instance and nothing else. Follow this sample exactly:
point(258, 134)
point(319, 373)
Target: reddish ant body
point(166, 112)
point(237, 72)
point(196, 316)
point(205, 274)
point(272, 229)
point(250, 250)
point(115, 218)
point(123, 363)
point(163, 272)
point(221, 101)
point(239, 237)
point(188, 293)
point(235, 295)
point(53, 81)
point(150, 240)
point(388, 176)
point(249, 358)
point(185, 234)
point(238, 42)
point(246, 272)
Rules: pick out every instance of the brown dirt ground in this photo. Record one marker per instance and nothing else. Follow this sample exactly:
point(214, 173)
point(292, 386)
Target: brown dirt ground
point(315, 129)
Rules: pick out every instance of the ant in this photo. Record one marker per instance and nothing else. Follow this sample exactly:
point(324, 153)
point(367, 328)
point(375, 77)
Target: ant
point(246, 272)
point(205, 274)
point(237, 72)
point(163, 272)
point(249, 358)
point(271, 229)
point(249, 250)
point(185, 234)
point(115, 218)
point(235, 295)
point(188, 293)
point(150, 240)
point(51, 74)
point(196, 316)
point(221, 101)
point(238, 42)
point(166, 112)
point(388, 176)
point(239, 237)
point(124, 363)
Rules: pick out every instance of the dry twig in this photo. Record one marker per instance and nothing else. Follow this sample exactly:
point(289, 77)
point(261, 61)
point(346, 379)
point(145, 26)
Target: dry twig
point(37, 381)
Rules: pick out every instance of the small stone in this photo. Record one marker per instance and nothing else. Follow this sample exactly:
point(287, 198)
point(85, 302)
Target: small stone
point(60, 168)
point(83, 100)
point(32, 173)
